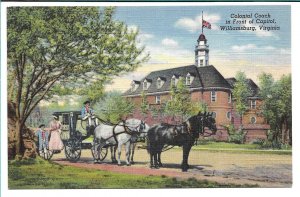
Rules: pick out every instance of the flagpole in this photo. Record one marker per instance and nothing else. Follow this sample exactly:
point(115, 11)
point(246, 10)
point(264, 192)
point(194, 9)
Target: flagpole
point(202, 22)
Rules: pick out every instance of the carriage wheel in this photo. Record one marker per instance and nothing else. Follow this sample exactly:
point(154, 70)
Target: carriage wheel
point(45, 154)
point(73, 150)
point(100, 153)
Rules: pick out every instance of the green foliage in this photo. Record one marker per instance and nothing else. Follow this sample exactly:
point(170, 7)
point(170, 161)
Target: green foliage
point(144, 104)
point(180, 104)
point(74, 47)
point(113, 107)
point(235, 136)
point(277, 107)
point(240, 93)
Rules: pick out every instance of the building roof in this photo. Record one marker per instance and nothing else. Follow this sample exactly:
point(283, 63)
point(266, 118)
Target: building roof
point(204, 77)
point(251, 84)
point(201, 38)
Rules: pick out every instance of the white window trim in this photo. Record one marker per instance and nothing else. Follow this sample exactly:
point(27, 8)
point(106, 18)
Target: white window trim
point(145, 88)
point(229, 97)
point(157, 101)
point(211, 96)
point(252, 105)
point(159, 85)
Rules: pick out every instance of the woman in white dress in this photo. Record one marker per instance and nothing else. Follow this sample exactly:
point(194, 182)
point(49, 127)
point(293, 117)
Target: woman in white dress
point(55, 142)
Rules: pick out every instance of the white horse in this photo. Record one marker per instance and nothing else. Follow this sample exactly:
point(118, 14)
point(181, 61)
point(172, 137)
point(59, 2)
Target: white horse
point(123, 133)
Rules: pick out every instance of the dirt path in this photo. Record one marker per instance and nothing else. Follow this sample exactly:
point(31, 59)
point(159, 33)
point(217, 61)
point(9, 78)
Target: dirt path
point(238, 168)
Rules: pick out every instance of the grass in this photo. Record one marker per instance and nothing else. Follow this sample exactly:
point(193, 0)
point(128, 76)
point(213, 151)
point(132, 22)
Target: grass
point(236, 148)
point(40, 174)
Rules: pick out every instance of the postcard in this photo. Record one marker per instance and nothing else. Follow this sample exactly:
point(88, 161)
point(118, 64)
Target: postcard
point(109, 96)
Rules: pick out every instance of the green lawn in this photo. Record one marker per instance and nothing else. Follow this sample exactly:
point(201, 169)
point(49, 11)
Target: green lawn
point(40, 174)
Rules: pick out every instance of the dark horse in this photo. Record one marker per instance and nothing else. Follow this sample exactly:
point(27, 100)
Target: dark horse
point(178, 135)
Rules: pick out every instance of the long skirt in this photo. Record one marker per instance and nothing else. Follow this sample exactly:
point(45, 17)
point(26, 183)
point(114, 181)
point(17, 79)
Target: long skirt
point(55, 142)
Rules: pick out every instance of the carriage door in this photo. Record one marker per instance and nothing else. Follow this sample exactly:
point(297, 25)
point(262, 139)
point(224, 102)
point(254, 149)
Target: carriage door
point(65, 134)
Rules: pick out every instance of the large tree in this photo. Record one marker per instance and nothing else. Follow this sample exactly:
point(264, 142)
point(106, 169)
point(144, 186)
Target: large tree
point(64, 46)
point(241, 92)
point(113, 107)
point(277, 106)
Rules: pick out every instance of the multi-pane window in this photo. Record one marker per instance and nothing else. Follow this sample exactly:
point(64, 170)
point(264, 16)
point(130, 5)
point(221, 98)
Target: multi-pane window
point(173, 82)
point(229, 97)
point(188, 80)
point(158, 83)
point(157, 99)
point(145, 85)
point(253, 104)
point(213, 96)
point(201, 62)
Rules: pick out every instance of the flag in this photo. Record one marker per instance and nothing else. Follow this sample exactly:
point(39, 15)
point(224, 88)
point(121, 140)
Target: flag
point(206, 24)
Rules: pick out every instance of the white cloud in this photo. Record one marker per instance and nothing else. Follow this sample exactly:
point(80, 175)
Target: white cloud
point(243, 48)
point(195, 24)
point(145, 36)
point(169, 42)
point(133, 28)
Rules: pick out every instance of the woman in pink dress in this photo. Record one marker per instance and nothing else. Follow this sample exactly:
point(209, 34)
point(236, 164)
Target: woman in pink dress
point(55, 142)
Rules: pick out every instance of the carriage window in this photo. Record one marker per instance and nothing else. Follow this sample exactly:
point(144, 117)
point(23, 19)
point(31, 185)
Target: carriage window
point(157, 99)
point(213, 95)
point(228, 115)
point(253, 120)
point(253, 104)
point(65, 119)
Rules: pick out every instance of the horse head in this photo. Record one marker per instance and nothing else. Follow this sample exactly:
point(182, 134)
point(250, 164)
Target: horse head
point(143, 129)
point(210, 122)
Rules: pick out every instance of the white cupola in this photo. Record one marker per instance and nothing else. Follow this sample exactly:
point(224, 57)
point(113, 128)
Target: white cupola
point(202, 52)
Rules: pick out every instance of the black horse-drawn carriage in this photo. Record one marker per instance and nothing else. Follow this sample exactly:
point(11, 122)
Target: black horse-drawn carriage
point(75, 134)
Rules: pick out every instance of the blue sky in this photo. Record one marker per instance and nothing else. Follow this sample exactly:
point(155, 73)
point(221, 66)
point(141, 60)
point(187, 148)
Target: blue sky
point(170, 34)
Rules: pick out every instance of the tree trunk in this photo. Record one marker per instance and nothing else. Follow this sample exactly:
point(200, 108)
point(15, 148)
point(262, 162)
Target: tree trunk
point(18, 137)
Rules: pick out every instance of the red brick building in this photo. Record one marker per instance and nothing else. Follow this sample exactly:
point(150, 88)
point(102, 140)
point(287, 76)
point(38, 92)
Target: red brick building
point(207, 85)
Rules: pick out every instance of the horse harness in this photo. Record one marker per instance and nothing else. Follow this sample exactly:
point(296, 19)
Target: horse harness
point(127, 130)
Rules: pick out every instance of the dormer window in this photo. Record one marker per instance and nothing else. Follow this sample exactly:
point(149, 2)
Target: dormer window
point(174, 80)
point(134, 85)
point(146, 84)
point(160, 82)
point(189, 79)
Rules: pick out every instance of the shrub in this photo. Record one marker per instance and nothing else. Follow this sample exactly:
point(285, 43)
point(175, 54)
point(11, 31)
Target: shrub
point(234, 135)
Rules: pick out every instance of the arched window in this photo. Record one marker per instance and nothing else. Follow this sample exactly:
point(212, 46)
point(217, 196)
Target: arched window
point(228, 115)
